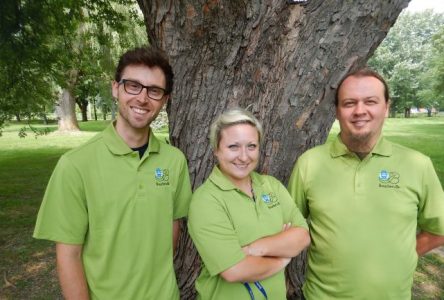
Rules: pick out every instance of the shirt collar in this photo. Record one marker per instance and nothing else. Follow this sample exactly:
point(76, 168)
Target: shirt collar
point(382, 147)
point(117, 145)
point(220, 180)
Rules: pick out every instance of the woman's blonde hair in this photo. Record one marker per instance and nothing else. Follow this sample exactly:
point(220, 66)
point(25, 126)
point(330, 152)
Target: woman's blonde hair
point(229, 118)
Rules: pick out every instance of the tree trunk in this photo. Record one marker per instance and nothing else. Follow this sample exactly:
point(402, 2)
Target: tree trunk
point(45, 119)
point(94, 108)
point(429, 112)
point(407, 112)
point(65, 111)
point(66, 106)
point(281, 61)
point(83, 105)
point(392, 112)
point(113, 110)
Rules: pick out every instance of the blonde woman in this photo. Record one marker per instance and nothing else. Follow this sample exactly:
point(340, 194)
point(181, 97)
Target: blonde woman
point(245, 226)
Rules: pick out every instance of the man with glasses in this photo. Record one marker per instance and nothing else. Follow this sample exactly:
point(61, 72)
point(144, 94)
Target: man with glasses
point(113, 205)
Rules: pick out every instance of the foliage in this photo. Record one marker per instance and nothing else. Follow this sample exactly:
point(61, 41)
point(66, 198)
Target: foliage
point(433, 79)
point(48, 45)
point(24, 61)
point(405, 58)
point(101, 46)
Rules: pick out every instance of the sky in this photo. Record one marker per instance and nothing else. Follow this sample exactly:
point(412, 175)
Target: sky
point(419, 5)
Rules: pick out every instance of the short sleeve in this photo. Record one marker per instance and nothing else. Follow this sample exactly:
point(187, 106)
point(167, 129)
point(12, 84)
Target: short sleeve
point(290, 210)
point(183, 193)
point(297, 190)
point(63, 214)
point(431, 207)
point(213, 233)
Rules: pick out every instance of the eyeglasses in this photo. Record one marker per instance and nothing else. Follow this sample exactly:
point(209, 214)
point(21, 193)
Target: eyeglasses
point(135, 88)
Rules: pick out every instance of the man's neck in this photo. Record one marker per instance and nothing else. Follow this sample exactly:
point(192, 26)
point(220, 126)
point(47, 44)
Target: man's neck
point(134, 138)
point(361, 155)
point(361, 150)
point(360, 147)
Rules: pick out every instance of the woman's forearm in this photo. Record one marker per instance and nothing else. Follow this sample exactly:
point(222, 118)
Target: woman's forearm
point(253, 268)
point(287, 243)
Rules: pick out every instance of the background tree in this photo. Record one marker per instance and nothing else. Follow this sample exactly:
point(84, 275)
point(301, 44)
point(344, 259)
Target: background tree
point(59, 51)
point(433, 78)
point(405, 57)
point(282, 61)
point(100, 46)
point(91, 27)
point(25, 66)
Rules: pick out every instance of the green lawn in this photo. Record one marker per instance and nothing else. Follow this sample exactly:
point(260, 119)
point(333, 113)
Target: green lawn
point(27, 265)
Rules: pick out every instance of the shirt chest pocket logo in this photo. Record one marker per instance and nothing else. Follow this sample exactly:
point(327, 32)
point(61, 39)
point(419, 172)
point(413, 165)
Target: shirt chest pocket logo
point(388, 179)
point(270, 199)
point(162, 176)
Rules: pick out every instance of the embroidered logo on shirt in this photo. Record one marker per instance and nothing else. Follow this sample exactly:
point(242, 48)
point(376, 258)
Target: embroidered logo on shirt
point(162, 176)
point(270, 199)
point(388, 179)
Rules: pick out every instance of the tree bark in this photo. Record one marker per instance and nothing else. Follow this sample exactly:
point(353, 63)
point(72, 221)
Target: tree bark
point(65, 111)
point(113, 110)
point(281, 61)
point(45, 118)
point(407, 112)
point(95, 109)
point(392, 112)
point(83, 105)
point(66, 106)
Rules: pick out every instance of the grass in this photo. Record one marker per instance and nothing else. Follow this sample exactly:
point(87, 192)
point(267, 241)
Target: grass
point(429, 277)
point(27, 267)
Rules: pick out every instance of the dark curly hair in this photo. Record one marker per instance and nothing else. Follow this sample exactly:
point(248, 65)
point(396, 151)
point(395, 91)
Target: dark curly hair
point(147, 56)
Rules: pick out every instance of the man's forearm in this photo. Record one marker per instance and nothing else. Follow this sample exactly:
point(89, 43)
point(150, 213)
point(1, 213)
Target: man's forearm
point(71, 272)
point(426, 241)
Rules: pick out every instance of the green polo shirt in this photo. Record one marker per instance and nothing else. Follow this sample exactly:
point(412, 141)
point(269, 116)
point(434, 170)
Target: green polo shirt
point(222, 219)
point(121, 209)
point(363, 218)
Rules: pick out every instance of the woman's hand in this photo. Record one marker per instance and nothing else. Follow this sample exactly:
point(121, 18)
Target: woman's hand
point(255, 250)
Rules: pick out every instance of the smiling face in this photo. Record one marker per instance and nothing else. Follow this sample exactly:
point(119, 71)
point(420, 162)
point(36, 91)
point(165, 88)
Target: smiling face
point(238, 152)
point(136, 112)
point(361, 112)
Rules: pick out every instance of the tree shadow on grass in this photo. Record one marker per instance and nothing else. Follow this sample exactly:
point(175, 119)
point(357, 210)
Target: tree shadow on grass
point(429, 277)
point(28, 269)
